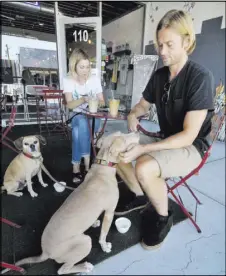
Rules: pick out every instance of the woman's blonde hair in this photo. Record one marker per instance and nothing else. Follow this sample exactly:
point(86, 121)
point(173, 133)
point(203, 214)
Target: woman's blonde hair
point(180, 21)
point(76, 56)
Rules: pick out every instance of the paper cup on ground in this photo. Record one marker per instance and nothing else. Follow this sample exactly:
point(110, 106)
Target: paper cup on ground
point(93, 105)
point(122, 224)
point(59, 188)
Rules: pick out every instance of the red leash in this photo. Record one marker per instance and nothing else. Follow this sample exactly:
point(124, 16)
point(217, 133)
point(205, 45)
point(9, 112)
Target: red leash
point(151, 134)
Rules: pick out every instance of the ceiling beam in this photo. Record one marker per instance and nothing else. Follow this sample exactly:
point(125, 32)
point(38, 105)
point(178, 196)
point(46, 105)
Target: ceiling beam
point(31, 7)
point(14, 12)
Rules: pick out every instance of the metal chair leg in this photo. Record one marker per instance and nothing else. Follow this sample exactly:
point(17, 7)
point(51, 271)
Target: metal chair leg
point(190, 190)
point(186, 212)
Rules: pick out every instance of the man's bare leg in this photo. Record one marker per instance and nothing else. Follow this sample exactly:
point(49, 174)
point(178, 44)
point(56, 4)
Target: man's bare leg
point(127, 173)
point(157, 222)
point(148, 174)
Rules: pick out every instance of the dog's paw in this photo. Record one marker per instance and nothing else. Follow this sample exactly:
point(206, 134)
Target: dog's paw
point(106, 247)
point(44, 185)
point(33, 194)
point(17, 194)
point(88, 267)
point(96, 224)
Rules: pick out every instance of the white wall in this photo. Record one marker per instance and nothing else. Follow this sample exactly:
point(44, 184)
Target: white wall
point(127, 29)
point(201, 11)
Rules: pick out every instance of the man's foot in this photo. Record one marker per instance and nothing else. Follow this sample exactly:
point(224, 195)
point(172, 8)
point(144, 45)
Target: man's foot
point(138, 203)
point(155, 228)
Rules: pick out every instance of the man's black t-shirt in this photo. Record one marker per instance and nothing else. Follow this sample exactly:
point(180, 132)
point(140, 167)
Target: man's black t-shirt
point(192, 89)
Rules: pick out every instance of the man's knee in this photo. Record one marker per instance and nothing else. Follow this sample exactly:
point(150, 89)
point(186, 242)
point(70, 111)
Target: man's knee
point(146, 167)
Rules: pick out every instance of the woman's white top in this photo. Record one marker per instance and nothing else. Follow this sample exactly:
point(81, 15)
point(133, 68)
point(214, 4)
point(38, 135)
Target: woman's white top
point(92, 87)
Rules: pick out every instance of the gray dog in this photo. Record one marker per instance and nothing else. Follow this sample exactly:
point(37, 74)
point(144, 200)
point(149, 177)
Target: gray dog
point(63, 239)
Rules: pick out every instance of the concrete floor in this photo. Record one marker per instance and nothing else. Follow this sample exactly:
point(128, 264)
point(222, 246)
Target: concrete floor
point(184, 252)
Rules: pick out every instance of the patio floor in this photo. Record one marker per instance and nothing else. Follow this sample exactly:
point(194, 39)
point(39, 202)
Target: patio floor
point(185, 251)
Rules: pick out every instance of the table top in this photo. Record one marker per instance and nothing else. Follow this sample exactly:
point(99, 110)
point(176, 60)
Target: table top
point(122, 115)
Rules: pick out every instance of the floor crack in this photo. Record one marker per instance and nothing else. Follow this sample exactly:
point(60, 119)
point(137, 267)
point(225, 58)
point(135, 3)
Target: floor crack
point(190, 251)
point(190, 259)
point(220, 272)
point(203, 237)
point(136, 261)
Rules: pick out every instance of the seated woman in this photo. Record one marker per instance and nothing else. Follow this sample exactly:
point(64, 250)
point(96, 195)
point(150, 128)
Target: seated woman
point(78, 85)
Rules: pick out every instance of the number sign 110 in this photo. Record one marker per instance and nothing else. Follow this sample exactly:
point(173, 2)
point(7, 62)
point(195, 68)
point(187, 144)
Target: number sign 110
point(81, 35)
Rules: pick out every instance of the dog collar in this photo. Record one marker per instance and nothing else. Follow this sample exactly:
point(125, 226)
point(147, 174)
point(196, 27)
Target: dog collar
point(104, 162)
point(32, 157)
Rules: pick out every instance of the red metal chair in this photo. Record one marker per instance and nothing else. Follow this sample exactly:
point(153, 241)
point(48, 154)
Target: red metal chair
point(51, 117)
point(4, 139)
point(7, 265)
point(6, 143)
point(217, 123)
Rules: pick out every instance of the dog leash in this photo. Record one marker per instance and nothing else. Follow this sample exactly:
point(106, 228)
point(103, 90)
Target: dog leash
point(47, 172)
point(70, 119)
point(40, 158)
point(52, 178)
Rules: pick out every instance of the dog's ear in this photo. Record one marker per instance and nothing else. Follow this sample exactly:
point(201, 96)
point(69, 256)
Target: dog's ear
point(42, 139)
point(117, 146)
point(108, 138)
point(100, 142)
point(18, 143)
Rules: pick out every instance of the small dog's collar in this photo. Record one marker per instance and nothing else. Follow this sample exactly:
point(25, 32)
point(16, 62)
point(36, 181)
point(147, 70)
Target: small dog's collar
point(104, 162)
point(32, 157)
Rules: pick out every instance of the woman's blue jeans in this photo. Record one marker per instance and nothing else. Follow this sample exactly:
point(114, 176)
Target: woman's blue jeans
point(81, 137)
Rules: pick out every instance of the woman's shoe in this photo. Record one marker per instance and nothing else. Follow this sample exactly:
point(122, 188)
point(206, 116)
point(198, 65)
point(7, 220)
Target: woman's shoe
point(78, 177)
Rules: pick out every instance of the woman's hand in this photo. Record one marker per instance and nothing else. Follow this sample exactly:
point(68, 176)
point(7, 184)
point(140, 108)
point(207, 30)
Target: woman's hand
point(101, 103)
point(85, 99)
point(101, 99)
point(132, 122)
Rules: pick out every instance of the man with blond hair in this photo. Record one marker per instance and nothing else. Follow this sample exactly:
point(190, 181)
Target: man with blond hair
point(183, 93)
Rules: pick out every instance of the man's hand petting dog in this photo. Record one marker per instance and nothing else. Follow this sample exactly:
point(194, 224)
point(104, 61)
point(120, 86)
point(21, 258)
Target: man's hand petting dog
point(132, 153)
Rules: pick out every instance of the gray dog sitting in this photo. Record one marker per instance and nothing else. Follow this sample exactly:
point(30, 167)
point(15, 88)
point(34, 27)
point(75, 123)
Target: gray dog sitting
point(24, 166)
point(63, 239)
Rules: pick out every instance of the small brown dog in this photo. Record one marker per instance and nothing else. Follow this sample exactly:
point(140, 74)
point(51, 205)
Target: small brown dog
point(24, 166)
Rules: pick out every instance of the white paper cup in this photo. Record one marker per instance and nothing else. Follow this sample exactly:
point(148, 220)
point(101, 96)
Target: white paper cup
point(122, 224)
point(59, 188)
